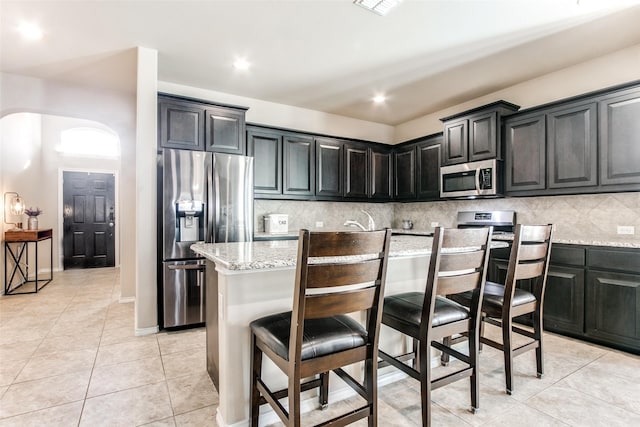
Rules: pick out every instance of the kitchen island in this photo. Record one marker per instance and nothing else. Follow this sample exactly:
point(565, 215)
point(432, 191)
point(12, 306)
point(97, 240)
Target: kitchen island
point(246, 281)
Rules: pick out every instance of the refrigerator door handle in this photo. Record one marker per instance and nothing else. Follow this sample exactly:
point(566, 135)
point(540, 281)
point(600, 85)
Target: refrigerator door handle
point(211, 204)
point(200, 267)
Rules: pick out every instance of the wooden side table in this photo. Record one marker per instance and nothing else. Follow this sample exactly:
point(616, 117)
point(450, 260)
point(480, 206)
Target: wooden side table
point(19, 255)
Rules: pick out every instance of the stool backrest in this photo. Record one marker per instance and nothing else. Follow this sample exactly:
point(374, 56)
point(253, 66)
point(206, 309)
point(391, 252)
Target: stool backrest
point(529, 259)
point(458, 263)
point(339, 273)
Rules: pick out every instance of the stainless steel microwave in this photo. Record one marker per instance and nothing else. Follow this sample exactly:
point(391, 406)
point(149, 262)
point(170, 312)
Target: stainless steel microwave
point(471, 180)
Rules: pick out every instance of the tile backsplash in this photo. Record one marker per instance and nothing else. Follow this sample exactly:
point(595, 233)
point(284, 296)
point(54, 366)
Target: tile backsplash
point(581, 218)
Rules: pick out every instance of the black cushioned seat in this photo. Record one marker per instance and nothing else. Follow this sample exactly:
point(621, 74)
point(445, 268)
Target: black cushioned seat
point(406, 309)
point(321, 336)
point(494, 297)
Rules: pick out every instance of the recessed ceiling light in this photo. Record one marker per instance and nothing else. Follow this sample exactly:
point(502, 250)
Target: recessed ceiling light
point(241, 64)
point(30, 31)
point(379, 99)
point(381, 7)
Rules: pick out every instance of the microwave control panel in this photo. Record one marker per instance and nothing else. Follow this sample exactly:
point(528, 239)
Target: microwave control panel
point(485, 179)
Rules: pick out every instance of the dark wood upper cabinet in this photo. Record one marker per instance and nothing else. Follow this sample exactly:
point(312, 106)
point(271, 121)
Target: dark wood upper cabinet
point(356, 171)
point(474, 134)
point(381, 172)
point(404, 160)
point(180, 124)
point(572, 146)
point(525, 163)
point(483, 136)
point(266, 148)
point(586, 144)
point(329, 168)
point(190, 124)
point(428, 169)
point(298, 165)
point(619, 130)
point(225, 131)
point(456, 141)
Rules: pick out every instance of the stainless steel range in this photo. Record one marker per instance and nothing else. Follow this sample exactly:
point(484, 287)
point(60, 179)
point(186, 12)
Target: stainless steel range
point(503, 222)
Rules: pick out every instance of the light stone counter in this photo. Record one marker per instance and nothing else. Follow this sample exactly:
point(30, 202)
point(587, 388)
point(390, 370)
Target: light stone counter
point(246, 281)
point(282, 253)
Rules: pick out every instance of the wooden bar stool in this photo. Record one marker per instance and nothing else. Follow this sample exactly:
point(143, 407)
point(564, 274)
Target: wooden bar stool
point(458, 264)
point(318, 336)
point(529, 260)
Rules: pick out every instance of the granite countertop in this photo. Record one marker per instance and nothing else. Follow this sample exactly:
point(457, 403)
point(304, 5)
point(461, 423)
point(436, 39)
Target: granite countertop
point(509, 238)
point(283, 253)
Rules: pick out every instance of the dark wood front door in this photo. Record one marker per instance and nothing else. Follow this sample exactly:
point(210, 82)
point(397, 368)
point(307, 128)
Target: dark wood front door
point(89, 219)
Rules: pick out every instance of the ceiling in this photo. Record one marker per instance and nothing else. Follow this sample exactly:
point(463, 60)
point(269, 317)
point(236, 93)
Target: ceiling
point(325, 55)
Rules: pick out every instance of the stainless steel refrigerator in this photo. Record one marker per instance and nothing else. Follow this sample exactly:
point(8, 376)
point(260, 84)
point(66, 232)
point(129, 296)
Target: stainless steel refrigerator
point(203, 197)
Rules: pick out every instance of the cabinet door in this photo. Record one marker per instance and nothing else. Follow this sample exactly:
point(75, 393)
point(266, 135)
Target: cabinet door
point(266, 148)
point(329, 168)
point(572, 147)
point(455, 142)
point(181, 125)
point(380, 172)
point(356, 171)
point(405, 167)
point(564, 300)
point(620, 139)
point(299, 165)
point(525, 153)
point(483, 138)
point(428, 172)
point(225, 131)
point(613, 309)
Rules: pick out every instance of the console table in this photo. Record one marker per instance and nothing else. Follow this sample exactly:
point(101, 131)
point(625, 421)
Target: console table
point(16, 249)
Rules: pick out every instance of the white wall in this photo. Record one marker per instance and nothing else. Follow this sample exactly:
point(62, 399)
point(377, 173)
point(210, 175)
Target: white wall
point(616, 68)
point(115, 110)
point(31, 164)
point(146, 316)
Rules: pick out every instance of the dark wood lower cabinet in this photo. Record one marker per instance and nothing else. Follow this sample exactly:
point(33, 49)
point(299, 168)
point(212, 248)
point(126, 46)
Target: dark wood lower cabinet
point(564, 300)
point(592, 293)
point(613, 309)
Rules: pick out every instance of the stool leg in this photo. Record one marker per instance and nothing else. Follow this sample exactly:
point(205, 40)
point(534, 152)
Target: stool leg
point(425, 383)
point(324, 390)
point(256, 372)
point(508, 354)
point(537, 330)
point(444, 357)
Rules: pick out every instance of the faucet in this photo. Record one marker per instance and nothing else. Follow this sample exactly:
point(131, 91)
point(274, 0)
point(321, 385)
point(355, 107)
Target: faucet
point(355, 223)
point(370, 226)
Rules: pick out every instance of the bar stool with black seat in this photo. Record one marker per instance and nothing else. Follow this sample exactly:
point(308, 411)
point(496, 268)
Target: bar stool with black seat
point(458, 263)
point(337, 273)
point(529, 260)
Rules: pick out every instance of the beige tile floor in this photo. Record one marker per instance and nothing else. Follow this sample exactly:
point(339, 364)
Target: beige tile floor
point(69, 357)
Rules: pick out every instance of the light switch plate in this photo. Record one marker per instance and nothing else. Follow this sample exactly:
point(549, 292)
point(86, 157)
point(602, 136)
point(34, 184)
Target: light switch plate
point(319, 224)
point(626, 229)
point(434, 224)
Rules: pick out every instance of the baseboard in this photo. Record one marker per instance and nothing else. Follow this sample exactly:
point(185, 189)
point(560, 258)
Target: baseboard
point(146, 331)
point(125, 300)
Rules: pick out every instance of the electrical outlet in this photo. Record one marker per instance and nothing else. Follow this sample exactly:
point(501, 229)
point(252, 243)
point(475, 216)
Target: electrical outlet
point(434, 224)
point(319, 224)
point(626, 229)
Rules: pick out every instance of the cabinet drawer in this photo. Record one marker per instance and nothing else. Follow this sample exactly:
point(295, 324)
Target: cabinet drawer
point(616, 259)
point(568, 255)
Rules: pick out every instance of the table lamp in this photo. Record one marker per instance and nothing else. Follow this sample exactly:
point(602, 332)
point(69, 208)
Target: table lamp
point(16, 208)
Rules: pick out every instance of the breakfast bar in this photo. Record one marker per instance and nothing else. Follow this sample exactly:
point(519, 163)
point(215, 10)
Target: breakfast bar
point(249, 280)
